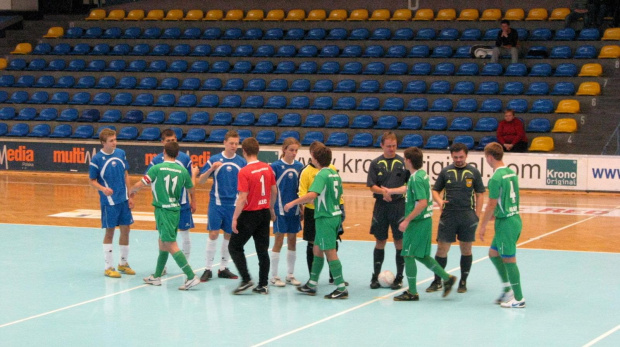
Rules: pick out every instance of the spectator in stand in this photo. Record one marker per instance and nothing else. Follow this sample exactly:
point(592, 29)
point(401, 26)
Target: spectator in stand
point(507, 40)
point(511, 133)
point(581, 9)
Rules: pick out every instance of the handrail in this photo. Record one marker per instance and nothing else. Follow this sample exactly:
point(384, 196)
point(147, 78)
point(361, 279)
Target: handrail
point(615, 134)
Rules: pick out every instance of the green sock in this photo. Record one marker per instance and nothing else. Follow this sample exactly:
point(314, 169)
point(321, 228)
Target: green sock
point(180, 259)
point(411, 270)
point(501, 270)
point(515, 279)
point(335, 266)
point(317, 266)
point(434, 266)
point(161, 263)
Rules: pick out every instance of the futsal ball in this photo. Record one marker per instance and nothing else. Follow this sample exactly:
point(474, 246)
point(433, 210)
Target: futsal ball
point(386, 278)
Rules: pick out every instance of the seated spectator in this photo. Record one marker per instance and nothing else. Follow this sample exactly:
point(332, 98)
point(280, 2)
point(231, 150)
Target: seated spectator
point(511, 133)
point(581, 9)
point(507, 40)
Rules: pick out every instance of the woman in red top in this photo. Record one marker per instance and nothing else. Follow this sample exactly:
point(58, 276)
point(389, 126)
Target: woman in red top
point(511, 133)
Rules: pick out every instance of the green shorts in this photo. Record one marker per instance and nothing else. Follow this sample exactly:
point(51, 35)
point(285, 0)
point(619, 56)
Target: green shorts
point(326, 232)
point(167, 222)
point(417, 238)
point(507, 232)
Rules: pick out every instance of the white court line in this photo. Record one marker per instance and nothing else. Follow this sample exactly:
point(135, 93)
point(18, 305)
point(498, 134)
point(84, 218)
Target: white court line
point(596, 340)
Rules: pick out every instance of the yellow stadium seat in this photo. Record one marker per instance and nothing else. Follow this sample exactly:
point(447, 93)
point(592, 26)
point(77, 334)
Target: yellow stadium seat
point(611, 34)
point(22, 48)
point(537, 14)
point(514, 14)
point(174, 15)
point(491, 14)
point(559, 13)
point(612, 51)
point(446, 14)
point(254, 15)
point(116, 15)
point(193, 15)
point(2, 63)
point(591, 70)
point(135, 15)
point(55, 32)
point(589, 88)
point(154, 15)
point(469, 14)
point(565, 125)
point(358, 15)
point(337, 15)
point(424, 14)
point(234, 15)
point(568, 106)
point(542, 144)
point(295, 15)
point(402, 14)
point(316, 15)
point(381, 14)
point(214, 15)
point(97, 14)
point(275, 15)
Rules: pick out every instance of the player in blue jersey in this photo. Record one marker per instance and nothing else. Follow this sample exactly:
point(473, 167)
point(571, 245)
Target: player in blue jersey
point(108, 174)
point(224, 168)
point(188, 201)
point(287, 171)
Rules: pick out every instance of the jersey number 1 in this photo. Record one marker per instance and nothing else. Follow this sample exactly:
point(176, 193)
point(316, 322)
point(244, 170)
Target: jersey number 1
point(174, 184)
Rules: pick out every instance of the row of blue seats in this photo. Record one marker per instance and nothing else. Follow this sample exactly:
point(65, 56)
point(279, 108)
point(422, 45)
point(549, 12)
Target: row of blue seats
point(266, 137)
point(306, 51)
point(419, 104)
point(298, 85)
point(289, 67)
point(402, 34)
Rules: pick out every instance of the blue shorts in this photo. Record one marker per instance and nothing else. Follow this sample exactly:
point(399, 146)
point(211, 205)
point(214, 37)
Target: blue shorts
point(220, 217)
point(287, 224)
point(115, 215)
point(187, 221)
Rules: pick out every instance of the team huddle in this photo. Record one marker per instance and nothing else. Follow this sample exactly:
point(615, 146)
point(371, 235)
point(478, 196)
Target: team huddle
point(247, 195)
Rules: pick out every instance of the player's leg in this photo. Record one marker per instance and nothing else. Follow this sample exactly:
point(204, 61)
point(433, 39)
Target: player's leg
point(185, 224)
point(466, 261)
point(279, 227)
point(397, 213)
point(446, 235)
point(422, 251)
point(178, 256)
point(291, 257)
point(508, 231)
point(379, 228)
point(245, 226)
point(224, 272)
point(261, 244)
point(411, 270)
point(214, 224)
point(466, 236)
point(108, 222)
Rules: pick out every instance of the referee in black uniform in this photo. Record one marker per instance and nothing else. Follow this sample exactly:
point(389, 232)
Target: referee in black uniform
point(460, 205)
point(387, 171)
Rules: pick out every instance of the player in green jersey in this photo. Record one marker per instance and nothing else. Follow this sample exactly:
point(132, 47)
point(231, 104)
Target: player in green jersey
point(326, 190)
point(167, 181)
point(417, 226)
point(504, 205)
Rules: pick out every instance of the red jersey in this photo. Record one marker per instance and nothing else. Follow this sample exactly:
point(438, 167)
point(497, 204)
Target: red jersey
point(511, 132)
point(256, 178)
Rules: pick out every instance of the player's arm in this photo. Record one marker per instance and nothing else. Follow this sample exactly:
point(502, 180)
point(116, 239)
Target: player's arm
point(479, 203)
point(128, 184)
point(203, 178)
point(488, 214)
point(272, 202)
point(395, 191)
point(420, 206)
point(105, 190)
point(437, 197)
point(309, 197)
point(195, 171)
point(242, 198)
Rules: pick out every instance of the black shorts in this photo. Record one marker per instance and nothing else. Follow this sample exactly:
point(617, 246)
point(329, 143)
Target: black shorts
point(385, 215)
point(309, 227)
point(462, 223)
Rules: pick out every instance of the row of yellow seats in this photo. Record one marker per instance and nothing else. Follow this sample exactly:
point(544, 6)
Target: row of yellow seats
point(334, 15)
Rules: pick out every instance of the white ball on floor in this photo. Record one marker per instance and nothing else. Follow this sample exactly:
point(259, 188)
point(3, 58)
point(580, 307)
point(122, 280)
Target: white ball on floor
point(386, 278)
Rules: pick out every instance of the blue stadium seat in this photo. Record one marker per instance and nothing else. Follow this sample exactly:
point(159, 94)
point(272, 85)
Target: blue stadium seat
point(488, 88)
point(181, 50)
point(212, 33)
point(144, 99)
point(486, 124)
point(231, 101)
point(329, 51)
point(522, 34)
point(393, 104)
point(563, 88)
point(392, 86)
point(102, 98)
point(111, 116)
point(222, 118)
point(463, 87)
point(47, 114)
point(157, 66)
point(415, 87)
point(411, 140)
point(359, 34)
point(448, 34)
point(462, 52)
point(244, 134)
point(263, 67)
point(516, 69)
point(59, 98)
point(411, 123)
point(62, 130)
point(539, 125)
point(541, 34)
point(151, 33)
point(417, 104)
point(26, 114)
point(44, 81)
point(491, 105)
point(242, 67)
point(76, 65)
point(467, 69)
point(136, 66)
point(337, 139)
point(7, 80)
point(351, 51)
point(132, 33)
point(195, 135)
point(444, 69)
point(492, 69)
point(322, 103)
point(171, 33)
point(295, 34)
point(381, 34)
point(266, 137)
point(253, 34)
point(176, 117)
point(255, 85)
point(312, 136)
point(56, 65)
point(517, 105)
point(244, 118)
point(307, 67)
point(89, 115)
point(438, 123)
point(472, 34)
point(347, 86)
point(589, 34)
point(420, 69)
point(16, 65)
point(212, 84)
point(439, 87)
point(198, 118)
point(397, 51)
point(337, 34)
point(122, 99)
point(299, 102)
point(150, 134)
point(216, 67)
point(133, 116)
point(387, 122)
point(265, 51)
point(374, 68)
point(403, 34)
point(314, 121)
point(373, 51)
point(42, 49)
point(106, 82)
point(542, 106)
point(273, 34)
point(276, 101)
point(73, 33)
point(126, 133)
point(370, 103)
point(191, 34)
point(147, 83)
point(85, 132)
point(363, 121)
point(540, 70)
point(140, 49)
point(268, 119)
point(352, 68)
point(120, 49)
point(190, 84)
point(443, 51)
point(461, 124)
point(100, 49)
point(538, 88)
point(254, 101)
point(565, 34)
point(290, 120)
point(323, 86)
point(186, 100)
point(491, 34)
point(467, 140)
point(560, 52)
point(513, 88)
point(565, 70)
point(217, 135)
point(437, 142)
point(40, 130)
point(398, 68)
point(116, 65)
point(285, 67)
point(68, 115)
point(177, 66)
point(466, 105)
point(307, 51)
point(36, 65)
point(585, 52)
point(201, 51)
point(277, 85)
point(61, 49)
point(537, 52)
point(425, 34)
point(361, 140)
point(329, 67)
point(243, 51)
point(19, 97)
point(154, 117)
point(338, 121)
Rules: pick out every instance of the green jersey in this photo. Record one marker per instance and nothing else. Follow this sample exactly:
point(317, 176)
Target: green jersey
point(419, 188)
point(167, 181)
point(504, 186)
point(328, 185)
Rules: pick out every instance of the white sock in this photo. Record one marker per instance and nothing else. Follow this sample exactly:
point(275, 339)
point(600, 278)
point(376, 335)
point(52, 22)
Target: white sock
point(291, 256)
point(211, 244)
point(225, 254)
point(108, 256)
point(275, 259)
point(186, 245)
point(124, 254)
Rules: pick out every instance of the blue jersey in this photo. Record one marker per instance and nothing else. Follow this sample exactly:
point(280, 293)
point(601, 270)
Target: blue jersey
point(287, 180)
point(183, 160)
point(109, 171)
point(224, 189)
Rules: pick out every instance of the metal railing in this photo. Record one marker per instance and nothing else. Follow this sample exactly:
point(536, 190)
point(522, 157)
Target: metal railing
point(614, 137)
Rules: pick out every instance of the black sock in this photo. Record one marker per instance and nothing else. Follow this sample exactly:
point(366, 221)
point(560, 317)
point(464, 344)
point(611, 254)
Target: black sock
point(378, 256)
point(309, 256)
point(465, 266)
point(400, 263)
point(443, 261)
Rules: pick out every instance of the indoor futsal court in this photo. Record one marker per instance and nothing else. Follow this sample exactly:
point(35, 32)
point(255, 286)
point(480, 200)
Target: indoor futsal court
point(54, 292)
